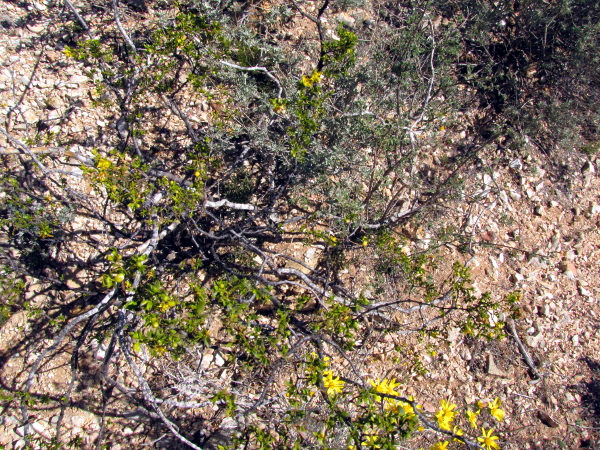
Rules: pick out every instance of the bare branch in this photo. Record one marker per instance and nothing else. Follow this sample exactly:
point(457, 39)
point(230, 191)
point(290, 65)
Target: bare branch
point(254, 69)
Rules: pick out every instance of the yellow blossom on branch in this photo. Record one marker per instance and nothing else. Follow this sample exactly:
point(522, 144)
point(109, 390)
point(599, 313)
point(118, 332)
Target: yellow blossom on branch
point(440, 446)
point(472, 416)
point(447, 406)
point(333, 385)
point(384, 387)
point(457, 431)
point(495, 409)
point(315, 77)
point(446, 415)
point(487, 440)
point(371, 441)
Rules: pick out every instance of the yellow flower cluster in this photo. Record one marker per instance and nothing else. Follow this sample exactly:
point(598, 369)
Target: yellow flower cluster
point(315, 77)
point(446, 415)
point(386, 386)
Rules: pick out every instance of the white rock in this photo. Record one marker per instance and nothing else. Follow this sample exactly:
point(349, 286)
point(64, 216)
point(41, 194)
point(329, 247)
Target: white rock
point(517, 277)
point(207, 360)
point(79, 79)
point(345, 19)
point(514, 195)
point(516, 164)
point(36, 28)
point(575, 340)
point(38, 427)
point(453, 334)
point(583, 291)
point(219, 361)
point(77, 421)
point(466, 354)
point(533, 341)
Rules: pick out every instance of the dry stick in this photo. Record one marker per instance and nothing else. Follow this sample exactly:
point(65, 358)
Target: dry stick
point(74, 374)
point(49, 150)
point(121, 29)
point(25, 148)
point(410, 129)
point(31, 154)
point(254, 69)
point(510, 324)
point(79, 18)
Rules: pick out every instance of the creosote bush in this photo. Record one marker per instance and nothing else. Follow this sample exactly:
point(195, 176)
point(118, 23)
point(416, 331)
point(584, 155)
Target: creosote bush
point(234, 143)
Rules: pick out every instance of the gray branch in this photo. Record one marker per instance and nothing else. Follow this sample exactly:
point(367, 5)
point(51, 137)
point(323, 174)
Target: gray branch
point(255, 69)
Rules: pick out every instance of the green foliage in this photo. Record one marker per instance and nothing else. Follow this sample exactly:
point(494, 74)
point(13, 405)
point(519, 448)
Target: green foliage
point(235, 151)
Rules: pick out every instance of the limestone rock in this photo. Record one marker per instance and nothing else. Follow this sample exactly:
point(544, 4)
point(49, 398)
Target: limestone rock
point(492, 368)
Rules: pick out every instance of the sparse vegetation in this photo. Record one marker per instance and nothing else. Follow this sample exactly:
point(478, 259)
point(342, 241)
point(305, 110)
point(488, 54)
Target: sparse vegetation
point(258, 154)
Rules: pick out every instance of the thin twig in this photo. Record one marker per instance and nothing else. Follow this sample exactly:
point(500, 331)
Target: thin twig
point(121, 29)
point(254, 69)
point(510, 325)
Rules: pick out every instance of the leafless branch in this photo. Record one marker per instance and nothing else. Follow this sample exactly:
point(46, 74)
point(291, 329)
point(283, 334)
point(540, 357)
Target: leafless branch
point(254, 69)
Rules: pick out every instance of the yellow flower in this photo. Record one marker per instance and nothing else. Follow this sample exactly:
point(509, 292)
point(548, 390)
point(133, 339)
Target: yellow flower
point(384, 387)
point(440, 446)
point(495, 409)
point(103, 164)
point(333, 385)
point(472, 418)
point(446, 415)
point(457, 431)
point(447, 406)
point(371, 441)
point(444, 420)
point(487, 440)
point(314, 78)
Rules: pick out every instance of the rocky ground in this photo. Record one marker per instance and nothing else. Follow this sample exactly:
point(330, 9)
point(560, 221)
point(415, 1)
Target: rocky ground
point(535, 230)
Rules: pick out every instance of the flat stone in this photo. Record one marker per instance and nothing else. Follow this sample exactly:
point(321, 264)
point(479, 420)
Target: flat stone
point(36, 28)
point(53, 103)
point(219, 361)
point(584, 292)
point(77, 421)
point(31, 116)
point(79, 79)
point(566, 266)
point(492, 368)
point(533, 341)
